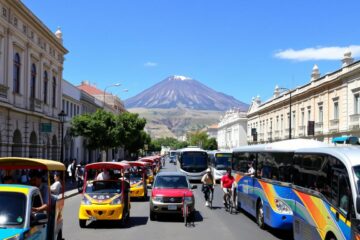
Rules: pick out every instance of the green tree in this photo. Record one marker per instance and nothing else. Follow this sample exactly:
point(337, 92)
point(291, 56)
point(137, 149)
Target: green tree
point(131, 132)
point(202, 140)
point(99, 129)
point(211, 144)
point(168, 142)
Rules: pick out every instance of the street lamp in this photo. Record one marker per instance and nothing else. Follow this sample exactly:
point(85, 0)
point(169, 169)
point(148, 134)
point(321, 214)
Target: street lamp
point(286, 89)
point(113, 85)
point(62, 116)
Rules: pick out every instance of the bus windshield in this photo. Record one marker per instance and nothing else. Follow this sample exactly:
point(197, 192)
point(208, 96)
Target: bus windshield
point(194, 160)
point(223, 161)
point(357, 177)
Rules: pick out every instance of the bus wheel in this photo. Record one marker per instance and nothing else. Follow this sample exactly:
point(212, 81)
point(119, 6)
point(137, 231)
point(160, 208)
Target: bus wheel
point(260, 215)
point(330, 236)
point(82, 223)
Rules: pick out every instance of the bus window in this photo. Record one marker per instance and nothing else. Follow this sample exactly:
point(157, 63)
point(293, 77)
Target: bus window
point(241, 161)
point(266, 167)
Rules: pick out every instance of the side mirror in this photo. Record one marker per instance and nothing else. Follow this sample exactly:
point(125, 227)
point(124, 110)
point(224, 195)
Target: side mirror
point(149, 186)
point(39, 219)
point(193, 186)
point(358, 204)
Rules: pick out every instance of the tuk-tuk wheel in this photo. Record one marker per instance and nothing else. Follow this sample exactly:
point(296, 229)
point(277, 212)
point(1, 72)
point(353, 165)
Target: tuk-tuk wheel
point(82, 223)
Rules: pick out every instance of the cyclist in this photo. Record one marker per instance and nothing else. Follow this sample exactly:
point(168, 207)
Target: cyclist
point(208, 185)
point(226, 183)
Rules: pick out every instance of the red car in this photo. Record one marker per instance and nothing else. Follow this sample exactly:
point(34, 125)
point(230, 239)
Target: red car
point(169, 191)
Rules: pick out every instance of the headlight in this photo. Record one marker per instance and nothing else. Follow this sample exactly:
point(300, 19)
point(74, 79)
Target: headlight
point(282, 207)
point(116, 201)
point(16, 237)
point(85, 201)
point(158, 199)
point(188, 200)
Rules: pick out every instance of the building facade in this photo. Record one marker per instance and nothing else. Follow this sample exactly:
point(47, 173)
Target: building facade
point(232, 130)
point(31, 67)
point(326, 107)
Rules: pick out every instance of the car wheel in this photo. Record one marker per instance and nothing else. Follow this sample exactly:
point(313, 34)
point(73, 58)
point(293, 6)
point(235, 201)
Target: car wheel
point(152, 215)
point(260, 216)
point(82, 223)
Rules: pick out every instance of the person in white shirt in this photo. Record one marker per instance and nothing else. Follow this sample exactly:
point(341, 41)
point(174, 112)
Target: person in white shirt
point(55, 188)
point(251, 170)
point(104, 175)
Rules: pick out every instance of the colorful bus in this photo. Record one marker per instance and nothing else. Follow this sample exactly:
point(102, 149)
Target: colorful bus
point(306, 185)
point(268, 194)
point(193, 162)
point(219, 161)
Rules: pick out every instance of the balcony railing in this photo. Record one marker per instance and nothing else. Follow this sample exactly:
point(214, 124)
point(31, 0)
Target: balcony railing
point(354, 121)
point(35, 104)
point(334, 125)
point(3, 91)
point(319, 128)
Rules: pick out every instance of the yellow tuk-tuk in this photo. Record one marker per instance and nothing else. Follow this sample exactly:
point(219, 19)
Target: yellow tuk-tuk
point(150, 169)
point(138, 179)
point(106, 193)
point(28, 211)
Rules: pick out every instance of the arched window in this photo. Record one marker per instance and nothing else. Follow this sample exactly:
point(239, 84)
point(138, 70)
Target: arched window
point(16, 73)
point(54, 92)
point(46, 80)
point(33, 81)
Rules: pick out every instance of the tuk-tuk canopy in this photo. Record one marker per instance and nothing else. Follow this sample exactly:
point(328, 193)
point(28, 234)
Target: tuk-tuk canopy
point(137, 163)
point(107, 165)
point(146, 159)
point(30, 163)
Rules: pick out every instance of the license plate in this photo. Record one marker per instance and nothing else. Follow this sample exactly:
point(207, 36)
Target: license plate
point(172, 207)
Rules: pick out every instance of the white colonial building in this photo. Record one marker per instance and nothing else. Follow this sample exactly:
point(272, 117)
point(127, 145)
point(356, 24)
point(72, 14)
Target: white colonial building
point(326, 107)
point(31, 68)
point(232, 129)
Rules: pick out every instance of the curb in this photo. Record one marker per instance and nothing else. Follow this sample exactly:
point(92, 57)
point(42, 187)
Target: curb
point(70, 194)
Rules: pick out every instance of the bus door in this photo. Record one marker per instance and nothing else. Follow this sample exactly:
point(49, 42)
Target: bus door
point(245, 184)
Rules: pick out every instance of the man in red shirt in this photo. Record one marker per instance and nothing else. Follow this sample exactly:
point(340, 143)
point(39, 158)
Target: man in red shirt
point(226, 182)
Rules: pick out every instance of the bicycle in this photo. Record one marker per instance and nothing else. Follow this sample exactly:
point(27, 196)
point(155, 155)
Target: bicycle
point(229, 201)
point(209, 193)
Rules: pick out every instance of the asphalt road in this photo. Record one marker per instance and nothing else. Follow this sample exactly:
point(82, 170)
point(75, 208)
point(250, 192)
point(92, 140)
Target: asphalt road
point(209, 223)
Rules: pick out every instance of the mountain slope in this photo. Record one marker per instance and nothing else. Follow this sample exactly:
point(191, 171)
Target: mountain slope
point(175, 122)
point(183, 92)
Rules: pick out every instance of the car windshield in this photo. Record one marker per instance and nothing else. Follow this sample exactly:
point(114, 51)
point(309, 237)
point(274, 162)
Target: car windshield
point(171, 182)
point(194, 160)
point(357, 177)
point(104, 187)
point(12, 210)
point(223, 161)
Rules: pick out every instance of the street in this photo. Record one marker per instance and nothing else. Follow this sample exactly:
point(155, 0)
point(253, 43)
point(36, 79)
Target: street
point(213, 223)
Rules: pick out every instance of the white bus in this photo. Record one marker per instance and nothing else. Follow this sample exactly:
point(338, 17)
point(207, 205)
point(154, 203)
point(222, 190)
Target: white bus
point(193, 162)
point(219, 161)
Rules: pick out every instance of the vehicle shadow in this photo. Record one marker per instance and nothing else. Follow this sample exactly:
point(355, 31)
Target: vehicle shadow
point(280, 234)
point(178, 218)
point(133, 222)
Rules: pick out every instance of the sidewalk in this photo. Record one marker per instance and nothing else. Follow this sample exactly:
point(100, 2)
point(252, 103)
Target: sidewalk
point(70, 189)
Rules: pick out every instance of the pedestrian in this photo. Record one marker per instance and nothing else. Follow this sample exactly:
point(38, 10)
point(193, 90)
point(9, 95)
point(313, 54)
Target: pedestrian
point(56, 187)
point(73, 168)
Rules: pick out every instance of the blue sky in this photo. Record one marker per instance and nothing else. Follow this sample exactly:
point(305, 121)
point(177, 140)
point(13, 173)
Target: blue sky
point(241, 48)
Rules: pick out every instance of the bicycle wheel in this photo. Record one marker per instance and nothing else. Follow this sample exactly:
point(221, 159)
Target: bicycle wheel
point(185, 213)
point(211, 196)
